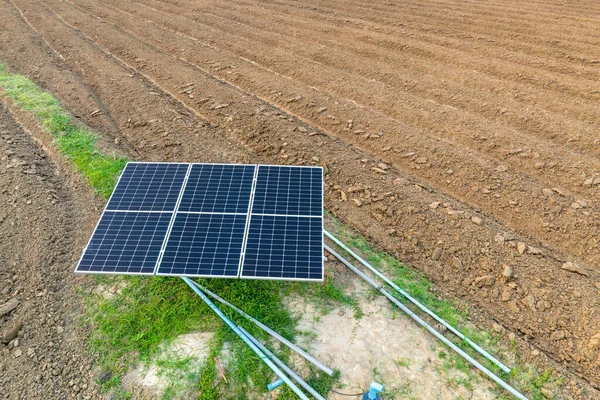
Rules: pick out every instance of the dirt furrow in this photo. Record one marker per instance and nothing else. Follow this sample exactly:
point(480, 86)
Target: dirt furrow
point(452, 14)
point(472, 92)
point(398, 41)
point(439, 160)
point(577, 110)
point(496, 42)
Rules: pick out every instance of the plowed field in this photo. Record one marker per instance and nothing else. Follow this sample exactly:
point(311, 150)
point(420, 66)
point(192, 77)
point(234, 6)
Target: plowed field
point(463, 136)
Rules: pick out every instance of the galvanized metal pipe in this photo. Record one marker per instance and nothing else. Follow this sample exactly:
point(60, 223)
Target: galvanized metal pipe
point(425, 325)
point(418, 304)
point(270, 331)
point(246, 340)
point(282, 365)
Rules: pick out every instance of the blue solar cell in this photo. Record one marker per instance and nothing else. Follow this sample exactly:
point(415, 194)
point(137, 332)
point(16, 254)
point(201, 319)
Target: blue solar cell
point(125, 243)
point(280, 247)
point(284, 190)
point(204, 245)
point(148, 187)
point(218, 188)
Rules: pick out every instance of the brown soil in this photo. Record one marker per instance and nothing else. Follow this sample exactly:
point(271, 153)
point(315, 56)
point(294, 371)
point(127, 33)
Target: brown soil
point(463, 135)
point(43, 353)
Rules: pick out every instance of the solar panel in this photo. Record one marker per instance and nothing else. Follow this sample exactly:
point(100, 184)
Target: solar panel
point(125, 243)
point(284, 248)
point(148, 187)
point(218, 188)
point(285, 190)
point(204, 245)
point(212, 220)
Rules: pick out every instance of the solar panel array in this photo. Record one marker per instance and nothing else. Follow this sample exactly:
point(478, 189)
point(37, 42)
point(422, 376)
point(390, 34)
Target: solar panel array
point(211, 220)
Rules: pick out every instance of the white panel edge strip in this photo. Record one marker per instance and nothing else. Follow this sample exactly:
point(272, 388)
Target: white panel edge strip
point(248, 219)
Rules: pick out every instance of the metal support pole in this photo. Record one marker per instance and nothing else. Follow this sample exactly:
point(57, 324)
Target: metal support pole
point(425, 325)
point(282, 365)
point(246, 340)
point(270, 331)
point(418, 304)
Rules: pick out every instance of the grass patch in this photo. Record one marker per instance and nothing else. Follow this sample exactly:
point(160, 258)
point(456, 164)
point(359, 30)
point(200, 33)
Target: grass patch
point(73, 140)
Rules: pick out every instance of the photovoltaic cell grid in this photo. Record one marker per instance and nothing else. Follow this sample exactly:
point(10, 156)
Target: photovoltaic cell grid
point(125, 243)
point(197, 222)
point(148, 187)
point(285, 235)
point(218, 188)
point(284, 248)
point(204, 245)
point(282, 190)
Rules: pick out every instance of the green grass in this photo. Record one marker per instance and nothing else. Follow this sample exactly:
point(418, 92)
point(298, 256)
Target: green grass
point(73, 140)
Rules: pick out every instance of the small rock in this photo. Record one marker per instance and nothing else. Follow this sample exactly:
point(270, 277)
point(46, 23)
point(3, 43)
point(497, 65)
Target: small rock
point(316, 159)
point(343, 196)
point(572, 267)
point(400, 182)
point(531, 302)
point(357, 202)
point(507, 271)
point(497, 327)
point(477, 220)
point(434, 205)
point(322, 109)
point(547, 393)
point(499, 238)
point(383, 166)
point(558, 335)
point(117, 141)
point(302, 129)
point(8, 306)
point(437, 254)
point(594, 343)
point(486, 280)
point(353, 189)
point(535, 353)
point(547, 192)
point(379, 170)
point(421, 160)
point(521, 247)
point(505, 295)
point(17, 353)
point(533, 250)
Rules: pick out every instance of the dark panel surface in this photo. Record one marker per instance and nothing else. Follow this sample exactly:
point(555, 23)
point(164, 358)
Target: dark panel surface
point(204, 245)
point(148, 187)
point(284, 248)
point(218, 188)
point(287, 190)
point(125, 243)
